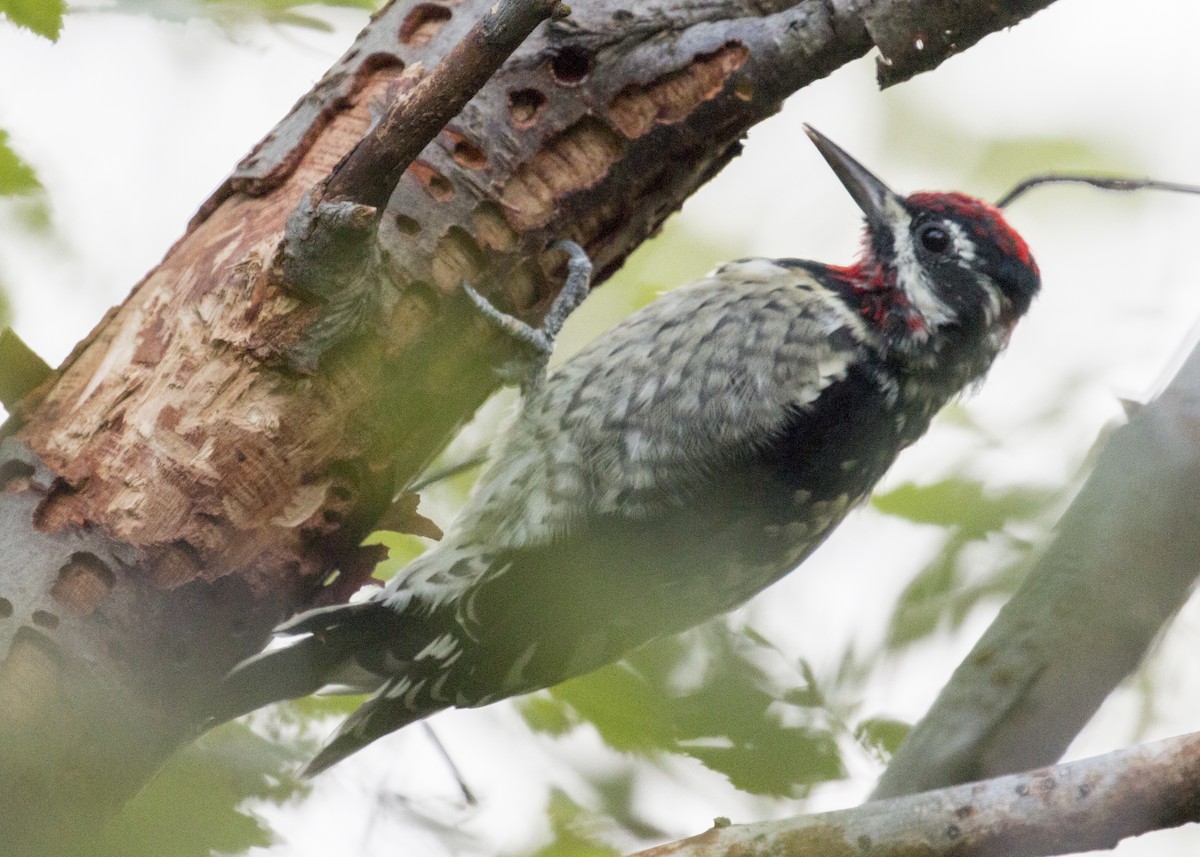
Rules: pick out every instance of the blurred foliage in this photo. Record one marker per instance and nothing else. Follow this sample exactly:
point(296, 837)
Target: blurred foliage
point(986, 163)
point(232, 15)
point(964, 505)
point(27, 203)
point(704, 694)
point(44, 17)
point(944, 592)
point(16, 176)
point(575, 830)
point(190, 809)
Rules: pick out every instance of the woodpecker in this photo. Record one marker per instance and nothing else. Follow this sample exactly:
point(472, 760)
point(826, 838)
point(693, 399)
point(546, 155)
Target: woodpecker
point(690, 457)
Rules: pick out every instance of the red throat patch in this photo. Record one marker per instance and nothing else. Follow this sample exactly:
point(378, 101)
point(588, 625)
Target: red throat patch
point(880, 302)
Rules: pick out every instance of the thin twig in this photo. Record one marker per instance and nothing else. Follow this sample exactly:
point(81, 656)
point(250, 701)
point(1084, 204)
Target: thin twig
point(442, 473)
point(373, 168)
point(468, 795)
point(1123, 185)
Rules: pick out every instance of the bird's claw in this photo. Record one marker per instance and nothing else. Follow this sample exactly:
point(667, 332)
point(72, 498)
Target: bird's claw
point(540, 339)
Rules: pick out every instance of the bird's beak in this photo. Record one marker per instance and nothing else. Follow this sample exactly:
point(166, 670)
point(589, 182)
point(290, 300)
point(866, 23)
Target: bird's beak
point(872, 196)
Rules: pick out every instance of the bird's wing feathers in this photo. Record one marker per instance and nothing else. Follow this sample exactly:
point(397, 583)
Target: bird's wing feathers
point(637, 418)
point(631, 427)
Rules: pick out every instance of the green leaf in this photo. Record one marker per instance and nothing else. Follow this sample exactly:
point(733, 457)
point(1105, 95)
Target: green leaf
point(732, 721)
point(575, 833)
point(733, 700)
point(629, 712)
point(44, 17)
point(809, 694)
point(190, 808)
point(16, 176)
point(926, 599)
point(882, 735)
point(939, 595)
point(778, 762)
point(963, 503)
point(729, 713)
point(544, 714)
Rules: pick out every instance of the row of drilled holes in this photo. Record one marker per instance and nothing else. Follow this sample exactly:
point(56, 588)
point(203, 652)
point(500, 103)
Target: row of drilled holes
point(85, 580)
point(570, 65)
point(82, 583)
point(41, 618)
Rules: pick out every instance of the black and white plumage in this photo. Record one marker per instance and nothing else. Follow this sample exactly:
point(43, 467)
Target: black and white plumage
point(687, 459)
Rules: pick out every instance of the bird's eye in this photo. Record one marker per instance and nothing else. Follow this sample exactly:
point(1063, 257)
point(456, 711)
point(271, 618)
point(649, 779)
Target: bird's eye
point(935, 239)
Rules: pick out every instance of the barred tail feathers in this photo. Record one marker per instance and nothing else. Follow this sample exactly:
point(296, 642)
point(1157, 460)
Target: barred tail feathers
point(329, 637)
point(382, 714)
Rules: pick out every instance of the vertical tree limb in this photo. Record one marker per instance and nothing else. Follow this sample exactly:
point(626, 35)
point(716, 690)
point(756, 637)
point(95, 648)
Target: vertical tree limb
point(1123, 560)
point(176, 487)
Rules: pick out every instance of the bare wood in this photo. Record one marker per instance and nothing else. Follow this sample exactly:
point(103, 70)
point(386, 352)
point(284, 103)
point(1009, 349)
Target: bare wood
point(175, 489)
point(1081, 806)
point(374, 166)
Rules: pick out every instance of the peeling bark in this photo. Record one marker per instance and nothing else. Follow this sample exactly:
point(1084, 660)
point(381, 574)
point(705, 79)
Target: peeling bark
point(175, 488)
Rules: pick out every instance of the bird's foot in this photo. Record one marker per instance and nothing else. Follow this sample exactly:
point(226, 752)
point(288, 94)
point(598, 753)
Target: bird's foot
point(529, 374)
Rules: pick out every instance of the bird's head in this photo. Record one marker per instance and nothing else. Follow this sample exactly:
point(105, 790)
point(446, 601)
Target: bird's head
point(937, 270)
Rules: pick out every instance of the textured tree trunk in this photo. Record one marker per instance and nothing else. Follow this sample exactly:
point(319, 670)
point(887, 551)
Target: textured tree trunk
point(217, 448)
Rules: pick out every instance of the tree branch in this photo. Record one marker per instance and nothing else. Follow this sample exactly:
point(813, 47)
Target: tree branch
point(172, 491)
point(1081, 806)
point(330, 249)
point(915, 37)
point(372, 169)
point(1122, 563)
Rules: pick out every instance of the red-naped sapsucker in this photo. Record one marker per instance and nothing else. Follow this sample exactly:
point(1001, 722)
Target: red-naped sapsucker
point(688, 458)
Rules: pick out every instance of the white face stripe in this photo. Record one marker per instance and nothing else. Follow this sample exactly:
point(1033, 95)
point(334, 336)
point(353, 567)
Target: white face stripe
point(914, 280)
point(964, 247)
point(911, 276)
point(964, 252)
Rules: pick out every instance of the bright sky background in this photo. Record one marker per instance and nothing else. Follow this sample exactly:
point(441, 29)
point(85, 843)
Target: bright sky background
point(130, 122)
